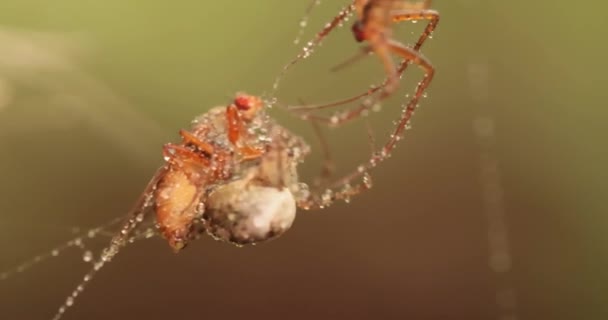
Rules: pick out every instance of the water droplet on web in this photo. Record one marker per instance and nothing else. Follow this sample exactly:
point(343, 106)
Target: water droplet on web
point(55, 253)
point(367, 180)
point(327, 197)
point(87, 256)
point(346, 192)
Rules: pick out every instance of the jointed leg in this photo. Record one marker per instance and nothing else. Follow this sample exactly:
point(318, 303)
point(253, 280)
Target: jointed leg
point(409, 55)
point(235, 132)
point(327, 166)
point(397, 16)
point(183, 156)
point(188, 139)
point(319, 201)
point(310, 46)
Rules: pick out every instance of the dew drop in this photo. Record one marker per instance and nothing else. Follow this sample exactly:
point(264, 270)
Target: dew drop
point(327, 197)
point(87, 256)
point(367, 180)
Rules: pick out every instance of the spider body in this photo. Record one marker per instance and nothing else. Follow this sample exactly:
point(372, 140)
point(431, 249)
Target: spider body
point(226, 176)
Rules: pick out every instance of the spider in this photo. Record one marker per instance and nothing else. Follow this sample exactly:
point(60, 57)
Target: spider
point(233, 176)
point(373, 25)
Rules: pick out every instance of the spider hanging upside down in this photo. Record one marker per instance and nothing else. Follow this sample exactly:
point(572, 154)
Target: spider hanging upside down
point(235, 173)
point(233, 176)
point(373, 25)
point(221, 173)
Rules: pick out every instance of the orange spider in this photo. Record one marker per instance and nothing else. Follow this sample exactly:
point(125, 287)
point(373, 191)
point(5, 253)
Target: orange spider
point(374, 27)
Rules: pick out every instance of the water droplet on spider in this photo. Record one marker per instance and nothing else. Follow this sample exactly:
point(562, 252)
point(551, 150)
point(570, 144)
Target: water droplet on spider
point(361, 168)
point(367, 180)
point(346, 192)
point(149, 233)
point(373, 162)
point(327, 197)
point(301, 191)
point(87, 256)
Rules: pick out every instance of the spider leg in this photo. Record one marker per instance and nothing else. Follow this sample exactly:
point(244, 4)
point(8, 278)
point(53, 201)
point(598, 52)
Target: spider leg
point(190, 139)
point(397, 15)
point(327, 166)
point(310, 46)
point(235, 134)
point(304, 20)
point(183, 156)
point(414, 15)
point(364, 52)
point(342, 188)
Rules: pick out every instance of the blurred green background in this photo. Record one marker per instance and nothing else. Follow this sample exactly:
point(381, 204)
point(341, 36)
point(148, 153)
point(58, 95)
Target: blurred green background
point(90, 90)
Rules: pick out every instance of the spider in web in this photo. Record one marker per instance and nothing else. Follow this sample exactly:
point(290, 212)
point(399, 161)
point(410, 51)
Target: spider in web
point(373, 26)
point(233, 176)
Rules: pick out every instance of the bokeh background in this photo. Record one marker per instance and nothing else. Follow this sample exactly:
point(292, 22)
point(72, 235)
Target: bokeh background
point(493, 207)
